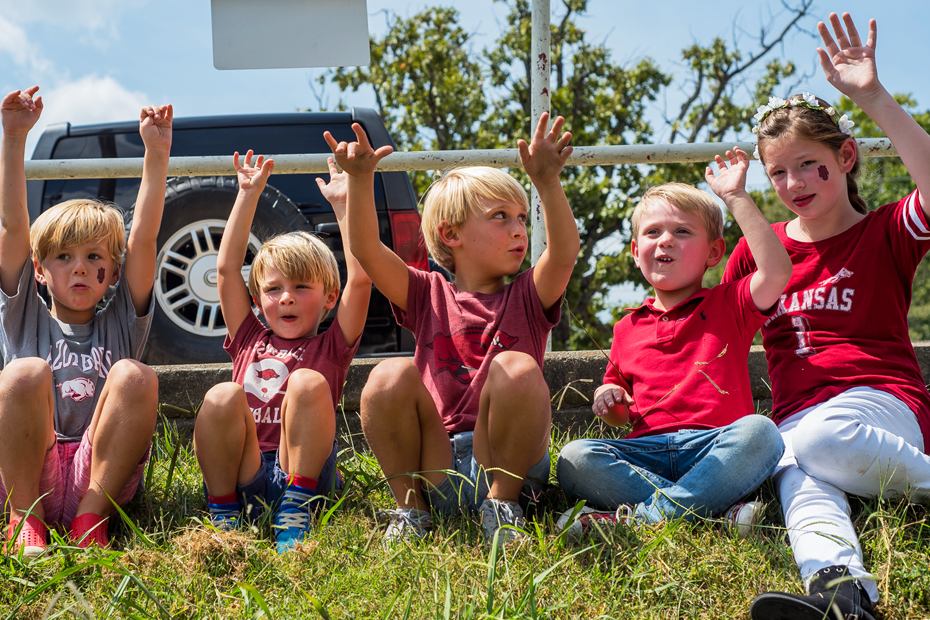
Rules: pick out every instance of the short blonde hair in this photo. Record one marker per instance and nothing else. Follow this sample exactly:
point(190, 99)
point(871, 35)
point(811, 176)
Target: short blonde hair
point(298, 256)
point(458, 192)
point(75, 222)
point(686, 198)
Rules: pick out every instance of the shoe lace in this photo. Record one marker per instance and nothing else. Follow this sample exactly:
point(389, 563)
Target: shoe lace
point(292, 514)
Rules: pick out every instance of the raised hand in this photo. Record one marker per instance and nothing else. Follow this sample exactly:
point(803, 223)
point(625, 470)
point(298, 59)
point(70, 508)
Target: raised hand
point(19, 112)
point(155, 127)
point(544, 158)
point(336, 192)
point(848, 64)
point(253, 179)
point(356, 158)
point(730, 179)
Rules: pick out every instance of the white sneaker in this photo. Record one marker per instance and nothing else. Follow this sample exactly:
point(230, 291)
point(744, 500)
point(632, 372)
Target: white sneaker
point(504, 517)
point(585, 520)
point(743, 517)
point(405, 524)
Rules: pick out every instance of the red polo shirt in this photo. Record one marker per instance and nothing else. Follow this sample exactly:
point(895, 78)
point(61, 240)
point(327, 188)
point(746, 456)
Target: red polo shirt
point(686, 368)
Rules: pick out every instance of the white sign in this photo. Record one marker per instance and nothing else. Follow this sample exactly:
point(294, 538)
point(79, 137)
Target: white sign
point(289, 34)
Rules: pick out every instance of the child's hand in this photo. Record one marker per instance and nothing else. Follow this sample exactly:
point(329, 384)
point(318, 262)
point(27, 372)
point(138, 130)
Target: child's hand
point(849, 66)
point(356, 158)
point(336, 192)
point(729, 180)
point(253, 179)
point(544, 158)
point(607, 397)
point(155, 127)
point(19, 112)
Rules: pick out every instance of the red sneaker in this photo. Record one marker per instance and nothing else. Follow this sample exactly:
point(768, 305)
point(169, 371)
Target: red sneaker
point(32, 538)
point(88, 530)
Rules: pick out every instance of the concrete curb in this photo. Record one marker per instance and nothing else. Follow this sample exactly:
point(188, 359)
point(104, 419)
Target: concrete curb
point(572, 377)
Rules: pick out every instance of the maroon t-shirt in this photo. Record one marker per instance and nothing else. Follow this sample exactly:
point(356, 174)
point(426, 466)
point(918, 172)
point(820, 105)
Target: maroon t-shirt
point(842, 321)
point(686, 367)
point(458, 334)
point(262, 363)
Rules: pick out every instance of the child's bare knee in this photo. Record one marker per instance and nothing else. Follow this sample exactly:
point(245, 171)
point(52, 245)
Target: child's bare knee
point(135, 376)
point(307, 382)
point(221, 400)
point(513, 370)
point(397, 374)
point(26, 376)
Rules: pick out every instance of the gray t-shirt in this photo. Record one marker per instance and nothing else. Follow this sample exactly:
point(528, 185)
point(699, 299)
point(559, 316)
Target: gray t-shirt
point(80, 355)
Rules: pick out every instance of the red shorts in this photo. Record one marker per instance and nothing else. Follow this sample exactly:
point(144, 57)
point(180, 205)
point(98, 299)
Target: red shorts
point(66, 477)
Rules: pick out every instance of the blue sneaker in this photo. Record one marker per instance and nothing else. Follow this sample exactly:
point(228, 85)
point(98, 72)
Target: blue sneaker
point(292, 520)
point(224, 517)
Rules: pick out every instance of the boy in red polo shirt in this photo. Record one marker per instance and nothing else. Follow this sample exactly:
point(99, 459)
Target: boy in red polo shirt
point(678, 369)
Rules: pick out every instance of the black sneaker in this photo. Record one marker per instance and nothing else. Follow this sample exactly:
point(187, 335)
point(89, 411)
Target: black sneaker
point(833, 596)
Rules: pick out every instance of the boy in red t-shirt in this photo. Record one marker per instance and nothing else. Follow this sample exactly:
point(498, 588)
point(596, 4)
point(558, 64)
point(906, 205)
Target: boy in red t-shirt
point(466, 422)
point(678, 368)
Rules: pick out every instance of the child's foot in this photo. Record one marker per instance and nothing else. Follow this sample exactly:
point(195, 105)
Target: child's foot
point(224, 517)
point(89, 530)
point(588, 520)
point(504, 517)
point(32, 537)
point(833, 594)
point(292, 521)
point(405, 524)
point(743, 517)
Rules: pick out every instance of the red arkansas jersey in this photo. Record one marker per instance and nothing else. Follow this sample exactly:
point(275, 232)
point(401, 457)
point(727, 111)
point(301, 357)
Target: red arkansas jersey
point(458, 334)
point(842, 320)
point(686, 367)
point(262, 363)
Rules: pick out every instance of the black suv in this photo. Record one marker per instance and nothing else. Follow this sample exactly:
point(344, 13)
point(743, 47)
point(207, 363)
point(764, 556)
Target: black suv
point(188, 325)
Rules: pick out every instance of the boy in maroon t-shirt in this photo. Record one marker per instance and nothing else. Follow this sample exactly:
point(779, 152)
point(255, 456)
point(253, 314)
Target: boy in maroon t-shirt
point(678, 368)
point(473, 401)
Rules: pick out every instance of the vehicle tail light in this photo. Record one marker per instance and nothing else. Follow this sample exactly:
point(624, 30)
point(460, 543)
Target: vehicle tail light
point(408, 239)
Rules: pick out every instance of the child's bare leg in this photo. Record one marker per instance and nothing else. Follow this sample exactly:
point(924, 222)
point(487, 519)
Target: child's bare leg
point(308, 424)
point(225, 440)
point(26, 430)
point(120, 432)
point(404, 430)
point(512, 431)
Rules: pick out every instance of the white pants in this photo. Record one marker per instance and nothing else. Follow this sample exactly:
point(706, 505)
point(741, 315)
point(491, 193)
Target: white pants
point(865, 442)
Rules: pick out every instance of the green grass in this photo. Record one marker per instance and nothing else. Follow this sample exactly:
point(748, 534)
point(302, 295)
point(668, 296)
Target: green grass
point(168, 565)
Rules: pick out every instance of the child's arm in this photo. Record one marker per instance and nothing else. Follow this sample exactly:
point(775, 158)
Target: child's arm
point(18, 114)
point(234, 293)
point(353, 308)
point(850, 67)
point(773, 264)
point(384, 267)
point(543, 160)
point(141, 246)
point(612, 404)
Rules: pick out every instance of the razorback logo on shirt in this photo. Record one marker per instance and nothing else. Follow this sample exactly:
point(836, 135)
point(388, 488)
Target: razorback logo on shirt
point(265, 378)
point(461, 353)
point(77, 389)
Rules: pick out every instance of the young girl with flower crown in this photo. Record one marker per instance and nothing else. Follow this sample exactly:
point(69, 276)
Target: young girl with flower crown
point(849, 398)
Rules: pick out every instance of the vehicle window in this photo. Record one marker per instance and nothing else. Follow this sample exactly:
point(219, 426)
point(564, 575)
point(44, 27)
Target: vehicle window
point(60, 190)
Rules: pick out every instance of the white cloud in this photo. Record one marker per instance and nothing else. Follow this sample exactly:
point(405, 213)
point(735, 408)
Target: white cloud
point(88, 17)
point(15, 42)
point(87, 100)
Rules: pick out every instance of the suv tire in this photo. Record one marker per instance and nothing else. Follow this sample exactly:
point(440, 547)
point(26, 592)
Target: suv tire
point(188, 323)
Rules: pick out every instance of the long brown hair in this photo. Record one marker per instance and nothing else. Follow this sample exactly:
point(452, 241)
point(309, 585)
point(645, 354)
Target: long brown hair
point(815, 125)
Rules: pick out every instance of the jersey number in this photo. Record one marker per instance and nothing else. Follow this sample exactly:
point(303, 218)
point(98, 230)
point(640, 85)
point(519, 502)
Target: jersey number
point(802, 331)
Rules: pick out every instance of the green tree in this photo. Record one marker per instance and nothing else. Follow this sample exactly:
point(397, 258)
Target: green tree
point(433, 94)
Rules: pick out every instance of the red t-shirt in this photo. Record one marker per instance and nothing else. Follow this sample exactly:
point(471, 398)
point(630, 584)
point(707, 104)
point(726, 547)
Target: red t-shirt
point(262, 363)
point(458, 334)
point(842, 321)
point(686, 368)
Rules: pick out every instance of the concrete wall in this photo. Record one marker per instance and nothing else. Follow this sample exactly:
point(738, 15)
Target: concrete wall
point(572, 378)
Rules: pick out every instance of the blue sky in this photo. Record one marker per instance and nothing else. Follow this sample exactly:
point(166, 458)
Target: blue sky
point(101, 60)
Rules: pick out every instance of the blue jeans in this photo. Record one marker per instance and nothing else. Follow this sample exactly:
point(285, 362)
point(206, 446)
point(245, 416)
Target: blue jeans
point(466, 485)
point(688, 474)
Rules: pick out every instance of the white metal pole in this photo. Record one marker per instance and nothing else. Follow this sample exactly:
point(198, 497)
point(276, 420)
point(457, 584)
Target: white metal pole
point(539, 103)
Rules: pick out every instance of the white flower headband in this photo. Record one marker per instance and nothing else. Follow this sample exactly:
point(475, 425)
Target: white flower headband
point(804, 100)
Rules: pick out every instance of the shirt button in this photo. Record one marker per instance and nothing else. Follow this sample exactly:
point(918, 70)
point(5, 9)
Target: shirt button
point(664, 318)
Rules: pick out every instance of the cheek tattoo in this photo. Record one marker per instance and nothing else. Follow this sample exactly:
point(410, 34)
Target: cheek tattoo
point(824, 174)
point(101, 274)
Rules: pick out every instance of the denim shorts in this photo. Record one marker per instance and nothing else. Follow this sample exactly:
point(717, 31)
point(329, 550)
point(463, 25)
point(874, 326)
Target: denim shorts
point(269, 483)
point(466, 484)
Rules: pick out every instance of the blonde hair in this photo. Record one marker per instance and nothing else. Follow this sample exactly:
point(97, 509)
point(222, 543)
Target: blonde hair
point(75, 222)
point(816, 126)
point(458, 192)
point(298, 256)
point(685, 198)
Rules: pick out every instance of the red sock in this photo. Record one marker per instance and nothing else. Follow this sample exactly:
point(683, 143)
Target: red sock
point(223, 499)
point(303, 482)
